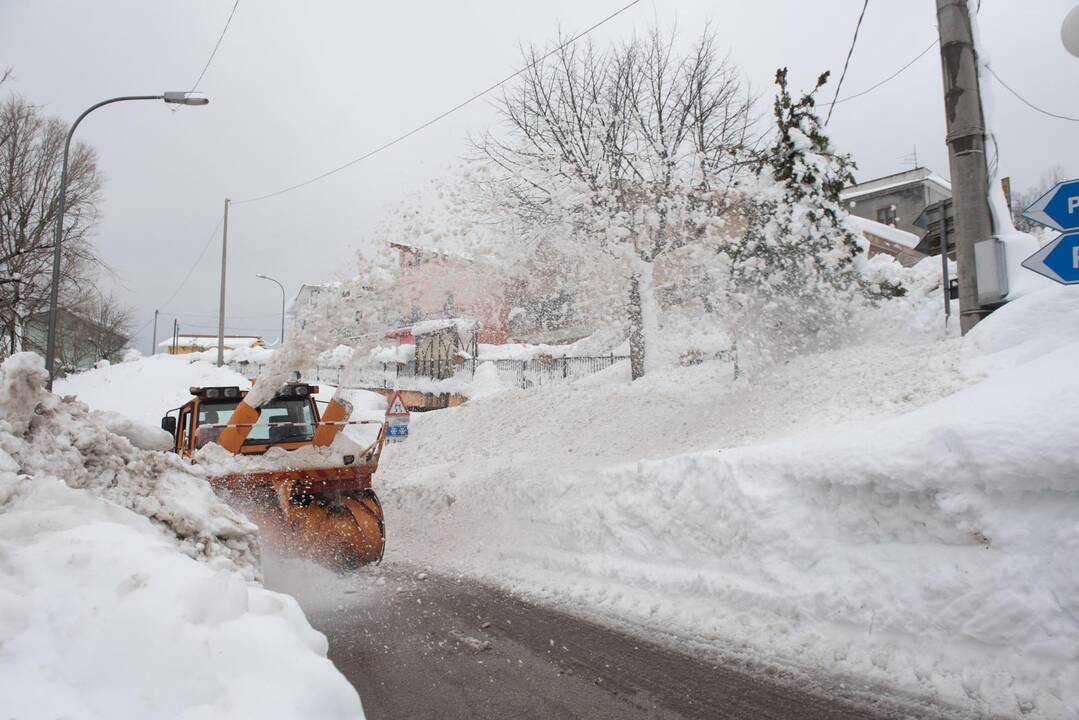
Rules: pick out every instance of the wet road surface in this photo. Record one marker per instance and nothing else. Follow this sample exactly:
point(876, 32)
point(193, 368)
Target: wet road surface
point(417, 645)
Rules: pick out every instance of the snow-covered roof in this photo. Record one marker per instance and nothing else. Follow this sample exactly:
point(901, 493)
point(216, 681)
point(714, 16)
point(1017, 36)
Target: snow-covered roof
point(463, 325)
point(393, 354)
point(235, 341)
point(890, 182)
point(421, 250)
point(307, 290)
point(887, 232)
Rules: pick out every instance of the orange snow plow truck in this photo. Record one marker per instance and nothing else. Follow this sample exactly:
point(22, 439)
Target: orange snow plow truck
point(323, 509)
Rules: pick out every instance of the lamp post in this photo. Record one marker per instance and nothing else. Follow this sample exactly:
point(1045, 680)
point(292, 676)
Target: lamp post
point(266, 277)
point(179, 98)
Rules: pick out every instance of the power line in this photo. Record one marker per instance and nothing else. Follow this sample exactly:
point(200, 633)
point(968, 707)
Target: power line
point(187, 277)
point(891, 77)
point(435, 119)
point(216, 46)
point(1026, 102)
point(846, 63)
point(213, 234)
point(213, 316)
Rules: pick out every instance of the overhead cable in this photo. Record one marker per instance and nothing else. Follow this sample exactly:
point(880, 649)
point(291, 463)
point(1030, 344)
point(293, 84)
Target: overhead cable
point(1026, 102)
point(202, 253)
point(216, 46)
point(891, 77)
point(846, 63)
point(440, 116)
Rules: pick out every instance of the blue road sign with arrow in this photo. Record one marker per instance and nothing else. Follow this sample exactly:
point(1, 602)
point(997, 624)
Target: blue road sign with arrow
point(1058, 208)
point(1059, 260)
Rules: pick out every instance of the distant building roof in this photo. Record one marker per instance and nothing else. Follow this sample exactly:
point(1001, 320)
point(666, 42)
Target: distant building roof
point(423, 250)
point(886, 232)
point(890, 182)
point(234, 341)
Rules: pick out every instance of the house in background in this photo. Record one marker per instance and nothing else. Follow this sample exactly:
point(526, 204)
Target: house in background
point(184, 344)
point(436, 285)
point(897, 200)
point(80, 341)
point(888, 240)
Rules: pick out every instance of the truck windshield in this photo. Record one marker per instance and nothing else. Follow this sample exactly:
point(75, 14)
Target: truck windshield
point(283, 421)
point(211, 414)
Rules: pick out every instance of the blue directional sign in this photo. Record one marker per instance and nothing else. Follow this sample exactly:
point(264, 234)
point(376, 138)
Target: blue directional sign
point(1059, 260)
point(1058, 208)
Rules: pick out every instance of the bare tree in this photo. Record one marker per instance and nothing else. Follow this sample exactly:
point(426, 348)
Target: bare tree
point(633, 150)
point(31, 155)
point(109, 329)
point(1022, 200)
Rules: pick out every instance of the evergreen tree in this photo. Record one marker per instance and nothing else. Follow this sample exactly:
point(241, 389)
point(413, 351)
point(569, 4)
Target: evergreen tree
point(793, 268)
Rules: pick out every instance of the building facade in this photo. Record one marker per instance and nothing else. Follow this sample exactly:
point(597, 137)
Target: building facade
point(897, 200)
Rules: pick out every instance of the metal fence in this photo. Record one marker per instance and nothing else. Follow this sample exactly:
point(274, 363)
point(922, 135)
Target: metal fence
point(544, 370)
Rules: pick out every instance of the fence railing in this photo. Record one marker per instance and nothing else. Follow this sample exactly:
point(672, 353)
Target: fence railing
point(543, 370)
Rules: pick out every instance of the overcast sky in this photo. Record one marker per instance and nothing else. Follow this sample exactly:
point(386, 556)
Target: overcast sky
point(298, 88)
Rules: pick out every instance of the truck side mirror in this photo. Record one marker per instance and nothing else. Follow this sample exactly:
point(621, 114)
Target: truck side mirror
point(168, 424)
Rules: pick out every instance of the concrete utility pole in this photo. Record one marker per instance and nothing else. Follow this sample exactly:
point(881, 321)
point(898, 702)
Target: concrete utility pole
point(221, 308)
point(966, 151)
point(153, 344)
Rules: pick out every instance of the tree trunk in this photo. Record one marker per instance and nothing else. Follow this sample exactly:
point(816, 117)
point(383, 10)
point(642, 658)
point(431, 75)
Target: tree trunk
point(636, 328)
point(643, 321)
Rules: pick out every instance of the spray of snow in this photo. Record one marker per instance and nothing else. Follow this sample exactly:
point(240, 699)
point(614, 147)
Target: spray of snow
point(900, 511)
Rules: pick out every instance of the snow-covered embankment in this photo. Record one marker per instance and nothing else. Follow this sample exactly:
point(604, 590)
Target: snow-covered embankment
point(127, 589)
point(931, 548)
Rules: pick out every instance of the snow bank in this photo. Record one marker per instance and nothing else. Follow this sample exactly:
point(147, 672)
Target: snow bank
point(126, 586)
point(900, 513)
point(215, 460)
point(145, 388)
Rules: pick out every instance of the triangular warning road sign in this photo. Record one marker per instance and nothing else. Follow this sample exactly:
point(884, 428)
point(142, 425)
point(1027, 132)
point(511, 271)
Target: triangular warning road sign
point(397, 406)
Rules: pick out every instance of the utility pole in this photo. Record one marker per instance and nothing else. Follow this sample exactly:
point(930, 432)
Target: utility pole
point(221, 309)
point(153, 344)
point(966, 151)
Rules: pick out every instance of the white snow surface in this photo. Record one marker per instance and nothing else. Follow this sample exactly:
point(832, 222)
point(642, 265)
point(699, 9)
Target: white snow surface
point(145, 388)
point(127, 588)
point(901, 512)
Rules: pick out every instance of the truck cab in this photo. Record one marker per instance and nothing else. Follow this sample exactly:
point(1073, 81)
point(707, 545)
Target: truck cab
point(288, 421)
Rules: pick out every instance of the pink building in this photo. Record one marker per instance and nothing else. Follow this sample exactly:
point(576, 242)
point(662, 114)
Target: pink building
point(436, 285)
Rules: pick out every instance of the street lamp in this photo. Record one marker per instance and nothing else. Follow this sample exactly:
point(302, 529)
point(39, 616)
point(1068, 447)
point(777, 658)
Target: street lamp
point(266, 277)
point(177, 98)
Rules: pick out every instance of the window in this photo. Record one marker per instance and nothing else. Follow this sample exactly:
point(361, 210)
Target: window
point(183, 434)
point(886, 215)
point(283, 421)
point(211, 414)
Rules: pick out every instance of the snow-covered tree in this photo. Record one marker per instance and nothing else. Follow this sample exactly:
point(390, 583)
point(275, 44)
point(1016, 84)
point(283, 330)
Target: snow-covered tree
point(793, 270)
point(621, 157)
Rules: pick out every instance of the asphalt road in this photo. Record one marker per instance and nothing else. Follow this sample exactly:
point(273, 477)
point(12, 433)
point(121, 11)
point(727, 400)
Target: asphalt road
point(417, 645)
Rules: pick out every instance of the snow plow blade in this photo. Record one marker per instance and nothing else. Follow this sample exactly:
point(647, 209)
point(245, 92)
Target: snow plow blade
point(328, 515)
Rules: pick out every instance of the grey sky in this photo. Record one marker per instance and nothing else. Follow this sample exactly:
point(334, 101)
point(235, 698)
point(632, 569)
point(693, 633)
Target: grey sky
point(298, 88)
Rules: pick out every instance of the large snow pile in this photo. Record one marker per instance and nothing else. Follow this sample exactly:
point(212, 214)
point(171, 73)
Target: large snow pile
point(127, 588)
point(144, 388)
point(900, 512)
